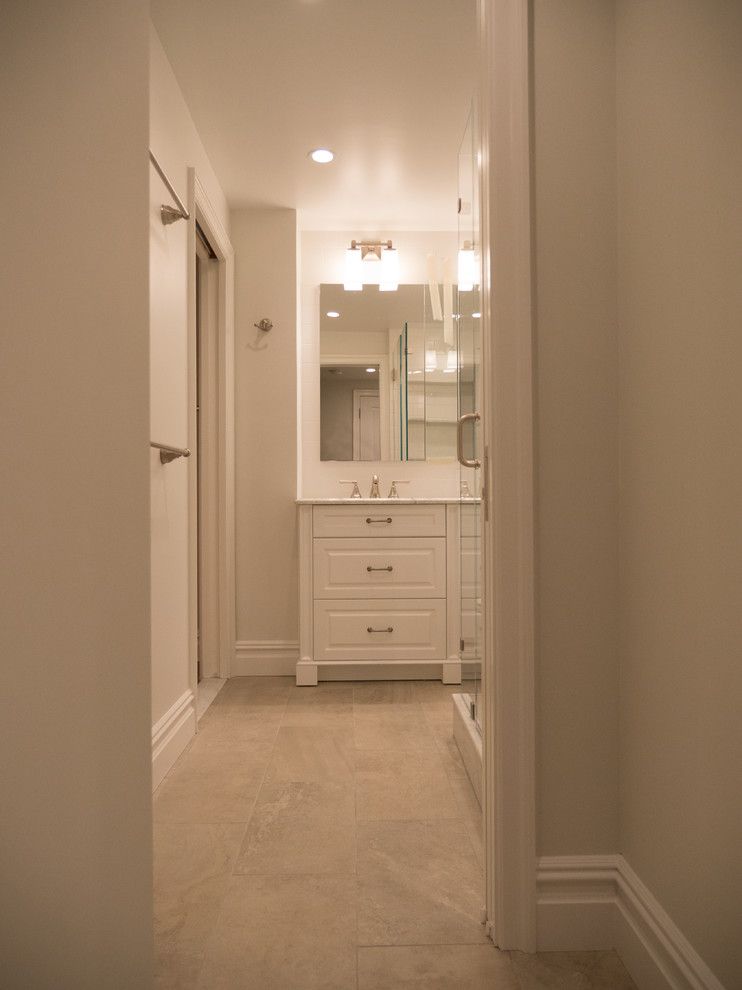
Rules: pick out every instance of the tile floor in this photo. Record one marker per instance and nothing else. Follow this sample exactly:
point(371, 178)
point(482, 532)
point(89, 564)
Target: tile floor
point(329, 838)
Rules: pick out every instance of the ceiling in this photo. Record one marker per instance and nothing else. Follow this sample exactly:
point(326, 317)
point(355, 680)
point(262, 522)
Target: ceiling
point(386, 84)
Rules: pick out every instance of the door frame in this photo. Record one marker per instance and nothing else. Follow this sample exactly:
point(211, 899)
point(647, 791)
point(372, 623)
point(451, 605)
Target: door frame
point(358, 394)
point(508, 432)
point(217, 389)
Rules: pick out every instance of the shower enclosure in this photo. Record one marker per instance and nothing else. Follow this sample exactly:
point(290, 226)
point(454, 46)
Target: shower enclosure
point(470, 456)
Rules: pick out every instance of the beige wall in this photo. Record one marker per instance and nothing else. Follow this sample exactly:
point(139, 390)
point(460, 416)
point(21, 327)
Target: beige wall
point(175, 142)
point(576, 423)
point(75, 839)
point(264, 242)
point(173, 135)
point(680, 300)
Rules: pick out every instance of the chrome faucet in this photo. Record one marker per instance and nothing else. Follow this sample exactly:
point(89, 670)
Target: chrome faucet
point(374, 493)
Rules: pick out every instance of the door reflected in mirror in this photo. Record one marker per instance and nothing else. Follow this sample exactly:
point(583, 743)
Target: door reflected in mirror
point(388, 374)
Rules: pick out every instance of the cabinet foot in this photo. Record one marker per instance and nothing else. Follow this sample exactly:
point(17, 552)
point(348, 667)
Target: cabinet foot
point(306, 674)
point(451, 672)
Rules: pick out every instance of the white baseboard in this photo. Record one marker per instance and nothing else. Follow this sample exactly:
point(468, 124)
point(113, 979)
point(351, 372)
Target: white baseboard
point(598, 902)
point(264, 657)
point(468, 741)
point(171, 734)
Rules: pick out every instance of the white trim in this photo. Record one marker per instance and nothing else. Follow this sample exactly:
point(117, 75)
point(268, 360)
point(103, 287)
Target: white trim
point(171, 734)
point(358, 394)
point(265, 657)
point(453, 586)
point(508, 541)
point(599, 902)
point(224, 576)
point(468, 742)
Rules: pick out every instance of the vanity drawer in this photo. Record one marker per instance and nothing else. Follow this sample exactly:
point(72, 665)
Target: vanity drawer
point(379, 520)
point(410, 629)
point(380, 568)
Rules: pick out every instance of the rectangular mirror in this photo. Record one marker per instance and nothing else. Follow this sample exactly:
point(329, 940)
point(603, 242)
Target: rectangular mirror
point(388, 374)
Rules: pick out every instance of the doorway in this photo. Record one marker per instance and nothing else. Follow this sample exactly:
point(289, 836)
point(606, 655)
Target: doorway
point(207, 601)
point(211, 429)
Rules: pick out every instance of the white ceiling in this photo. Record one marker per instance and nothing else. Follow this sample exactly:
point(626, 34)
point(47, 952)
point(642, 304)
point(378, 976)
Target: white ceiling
point(386, 84)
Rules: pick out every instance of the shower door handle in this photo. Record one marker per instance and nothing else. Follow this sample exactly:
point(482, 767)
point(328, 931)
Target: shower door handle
point(465, 461)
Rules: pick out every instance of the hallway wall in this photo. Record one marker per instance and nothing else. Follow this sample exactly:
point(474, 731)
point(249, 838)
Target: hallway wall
point(75, 843)
point(176, 144)
point(680, 302)
point(265, 245)
point(576, 425)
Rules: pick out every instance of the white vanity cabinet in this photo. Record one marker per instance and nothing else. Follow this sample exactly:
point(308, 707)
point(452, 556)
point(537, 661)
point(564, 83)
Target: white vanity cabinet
point(378, 585)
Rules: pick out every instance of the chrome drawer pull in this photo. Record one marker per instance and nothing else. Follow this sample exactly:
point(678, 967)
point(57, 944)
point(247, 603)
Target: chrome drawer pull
point(370, 519)
point(389, 568)
point(387, 630)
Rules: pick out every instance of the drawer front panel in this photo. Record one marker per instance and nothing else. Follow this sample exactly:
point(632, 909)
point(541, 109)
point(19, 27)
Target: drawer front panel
point(379, 521)
point(413, 629)
point(377, 568)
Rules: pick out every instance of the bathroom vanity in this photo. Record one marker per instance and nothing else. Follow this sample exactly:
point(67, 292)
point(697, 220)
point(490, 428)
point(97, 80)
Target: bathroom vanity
point(378, 588)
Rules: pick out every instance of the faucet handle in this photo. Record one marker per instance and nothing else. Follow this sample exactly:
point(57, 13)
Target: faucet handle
point(393, 493)
point(356, 493)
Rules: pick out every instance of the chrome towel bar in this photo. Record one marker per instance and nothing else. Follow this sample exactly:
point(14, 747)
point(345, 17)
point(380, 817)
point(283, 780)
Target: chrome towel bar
point(168, 453)
point(169, 214)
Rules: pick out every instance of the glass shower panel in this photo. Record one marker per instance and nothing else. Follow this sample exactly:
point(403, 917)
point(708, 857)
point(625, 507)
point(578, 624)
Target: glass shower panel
point(469, 404)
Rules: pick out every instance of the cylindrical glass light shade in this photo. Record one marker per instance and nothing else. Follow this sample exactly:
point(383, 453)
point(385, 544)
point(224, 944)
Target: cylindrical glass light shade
point(389, 277)
point(353, 281)
point(468, 274)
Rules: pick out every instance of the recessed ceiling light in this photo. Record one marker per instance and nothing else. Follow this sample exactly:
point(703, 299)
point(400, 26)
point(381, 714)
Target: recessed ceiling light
point(332, 314)
point(321, 155)
point(371, 371)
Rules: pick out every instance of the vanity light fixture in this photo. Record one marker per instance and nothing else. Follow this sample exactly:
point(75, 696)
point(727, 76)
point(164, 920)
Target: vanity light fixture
point(371, 371)
point(468, 268)
point(323, 156)
point(332, 314)
point(475, 316)
point(357, 274)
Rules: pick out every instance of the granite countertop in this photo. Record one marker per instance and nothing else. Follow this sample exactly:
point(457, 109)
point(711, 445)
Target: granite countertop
point(384, 501)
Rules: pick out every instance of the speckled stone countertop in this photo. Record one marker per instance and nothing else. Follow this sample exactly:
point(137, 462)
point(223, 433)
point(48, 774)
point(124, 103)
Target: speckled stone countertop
point(383, 501)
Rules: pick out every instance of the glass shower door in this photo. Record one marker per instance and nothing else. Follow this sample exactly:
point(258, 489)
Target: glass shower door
point(469, 423)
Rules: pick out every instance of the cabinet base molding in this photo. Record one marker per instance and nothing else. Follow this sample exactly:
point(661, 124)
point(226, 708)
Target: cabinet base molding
point(171, 734)
point(309, 672)
point(598, 902)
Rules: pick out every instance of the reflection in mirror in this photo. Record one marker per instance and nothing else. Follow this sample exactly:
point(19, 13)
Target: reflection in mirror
point(350, 412)
point(388, 374)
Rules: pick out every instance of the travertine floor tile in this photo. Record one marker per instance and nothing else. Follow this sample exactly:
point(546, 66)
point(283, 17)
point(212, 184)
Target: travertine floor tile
point(397, 786)
point(266, 696)
point(326, 714)
point(301, 828)
point(192, 864)
point(284, 933)
point(419, 882)
point(335, 692)
point(571, 971)
point(392, 727)
point(435, 692)
point(210, 787)
point(435, 967)
point(384, 693)
point(235, 731)
point(304, 753)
